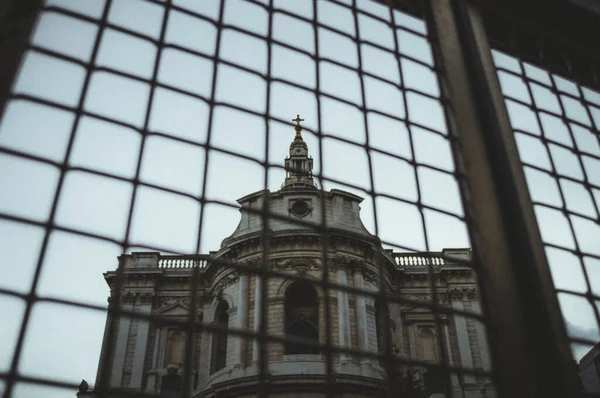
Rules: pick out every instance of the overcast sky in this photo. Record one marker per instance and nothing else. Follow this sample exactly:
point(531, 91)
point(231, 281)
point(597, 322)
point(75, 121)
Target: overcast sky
point(64, 343)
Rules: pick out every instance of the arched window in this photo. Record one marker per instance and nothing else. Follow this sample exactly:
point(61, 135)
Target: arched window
point(175, 348)
point(219, 348)
point(301, 317)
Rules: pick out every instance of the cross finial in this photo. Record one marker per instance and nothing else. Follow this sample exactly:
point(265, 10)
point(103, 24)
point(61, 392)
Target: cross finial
point(298, 128)
point(297, 120)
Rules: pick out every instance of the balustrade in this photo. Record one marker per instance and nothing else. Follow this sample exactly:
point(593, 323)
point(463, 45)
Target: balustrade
point(182, 262)
point(410, 260)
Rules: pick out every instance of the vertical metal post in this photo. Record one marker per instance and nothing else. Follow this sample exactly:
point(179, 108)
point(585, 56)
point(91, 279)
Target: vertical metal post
point(17, 19)
point(530, 351)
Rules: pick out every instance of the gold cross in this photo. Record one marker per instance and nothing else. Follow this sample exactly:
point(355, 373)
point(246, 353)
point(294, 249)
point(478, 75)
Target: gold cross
point(297, 120)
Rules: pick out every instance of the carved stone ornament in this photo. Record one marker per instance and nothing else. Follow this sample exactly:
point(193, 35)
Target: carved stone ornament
point(295, 264)
point(163, 302)
point(256, 262)
point(370, 276)
point(345, 262)
point(302, 270)
point(206, 299)
point(443, 298)
point(422, 298)
point(457, 294)
point(472, 294)
point(146, 298)
point(128, 298)
point(469, 293)
point(228, 280)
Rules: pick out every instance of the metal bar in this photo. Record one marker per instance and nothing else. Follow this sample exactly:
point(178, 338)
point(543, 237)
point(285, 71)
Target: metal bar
point(530, 351)
point(529, 346)
point(17, 20)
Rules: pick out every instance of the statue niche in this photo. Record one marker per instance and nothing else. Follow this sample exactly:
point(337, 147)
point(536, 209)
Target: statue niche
point(175, 348)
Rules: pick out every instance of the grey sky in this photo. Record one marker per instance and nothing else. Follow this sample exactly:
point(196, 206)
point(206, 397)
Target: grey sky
point(64, 343)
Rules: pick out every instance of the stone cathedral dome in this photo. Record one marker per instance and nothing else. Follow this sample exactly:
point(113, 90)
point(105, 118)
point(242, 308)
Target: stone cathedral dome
point(297, 216)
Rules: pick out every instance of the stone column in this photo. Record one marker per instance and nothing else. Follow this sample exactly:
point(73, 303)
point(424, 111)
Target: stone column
point(462, 335)
point(362, 336)
point(106, 346)
point(151, 382)
point(242, 318)
point(413, 341)
point(162, 347)
point(141, 342)
point(257, 315)
point(116, 376)
point(481, 338)
point(343, 314)
point(447, 343)
point(205, 345)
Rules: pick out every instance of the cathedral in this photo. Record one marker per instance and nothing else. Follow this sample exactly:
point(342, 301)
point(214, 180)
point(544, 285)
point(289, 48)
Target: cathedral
point(148, 355)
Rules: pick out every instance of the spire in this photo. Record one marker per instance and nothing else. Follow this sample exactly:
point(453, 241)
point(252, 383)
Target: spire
point(298, 165)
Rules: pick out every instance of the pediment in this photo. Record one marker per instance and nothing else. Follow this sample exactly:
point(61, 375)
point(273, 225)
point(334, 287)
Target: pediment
point(175, 310)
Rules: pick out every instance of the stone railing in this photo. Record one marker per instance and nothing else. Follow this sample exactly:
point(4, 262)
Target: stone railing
point(185, 261)
point(418, 260)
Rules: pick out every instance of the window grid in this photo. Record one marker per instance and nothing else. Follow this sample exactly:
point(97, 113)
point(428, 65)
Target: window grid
point(192, 326)
point(565, 137)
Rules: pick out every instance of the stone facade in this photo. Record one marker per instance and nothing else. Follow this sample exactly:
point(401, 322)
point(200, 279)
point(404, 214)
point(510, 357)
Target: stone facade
point(149, 354)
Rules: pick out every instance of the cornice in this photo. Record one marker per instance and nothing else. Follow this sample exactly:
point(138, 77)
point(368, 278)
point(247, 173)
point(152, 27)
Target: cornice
point(456, 272)
point(416, 298)
point(336, 235)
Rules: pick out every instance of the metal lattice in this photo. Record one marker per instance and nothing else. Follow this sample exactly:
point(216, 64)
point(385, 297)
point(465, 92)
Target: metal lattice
point(122, 76)
point(547, 82)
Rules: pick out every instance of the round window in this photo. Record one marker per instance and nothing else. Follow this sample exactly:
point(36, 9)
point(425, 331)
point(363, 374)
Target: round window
point(300, 208)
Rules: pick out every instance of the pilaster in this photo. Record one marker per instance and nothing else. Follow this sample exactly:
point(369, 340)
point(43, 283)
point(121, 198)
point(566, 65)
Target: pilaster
point(257, 315)
point(466, 359)
point(343, 314)
point(205, 346)
point(141, 342)
point(116, 376)
point(447, 343)
point(242, 317)
point(481, 338)
point(153, 374)
point(362, 336)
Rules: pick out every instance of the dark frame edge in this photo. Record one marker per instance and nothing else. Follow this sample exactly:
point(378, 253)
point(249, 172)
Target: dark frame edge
point(528, 341)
